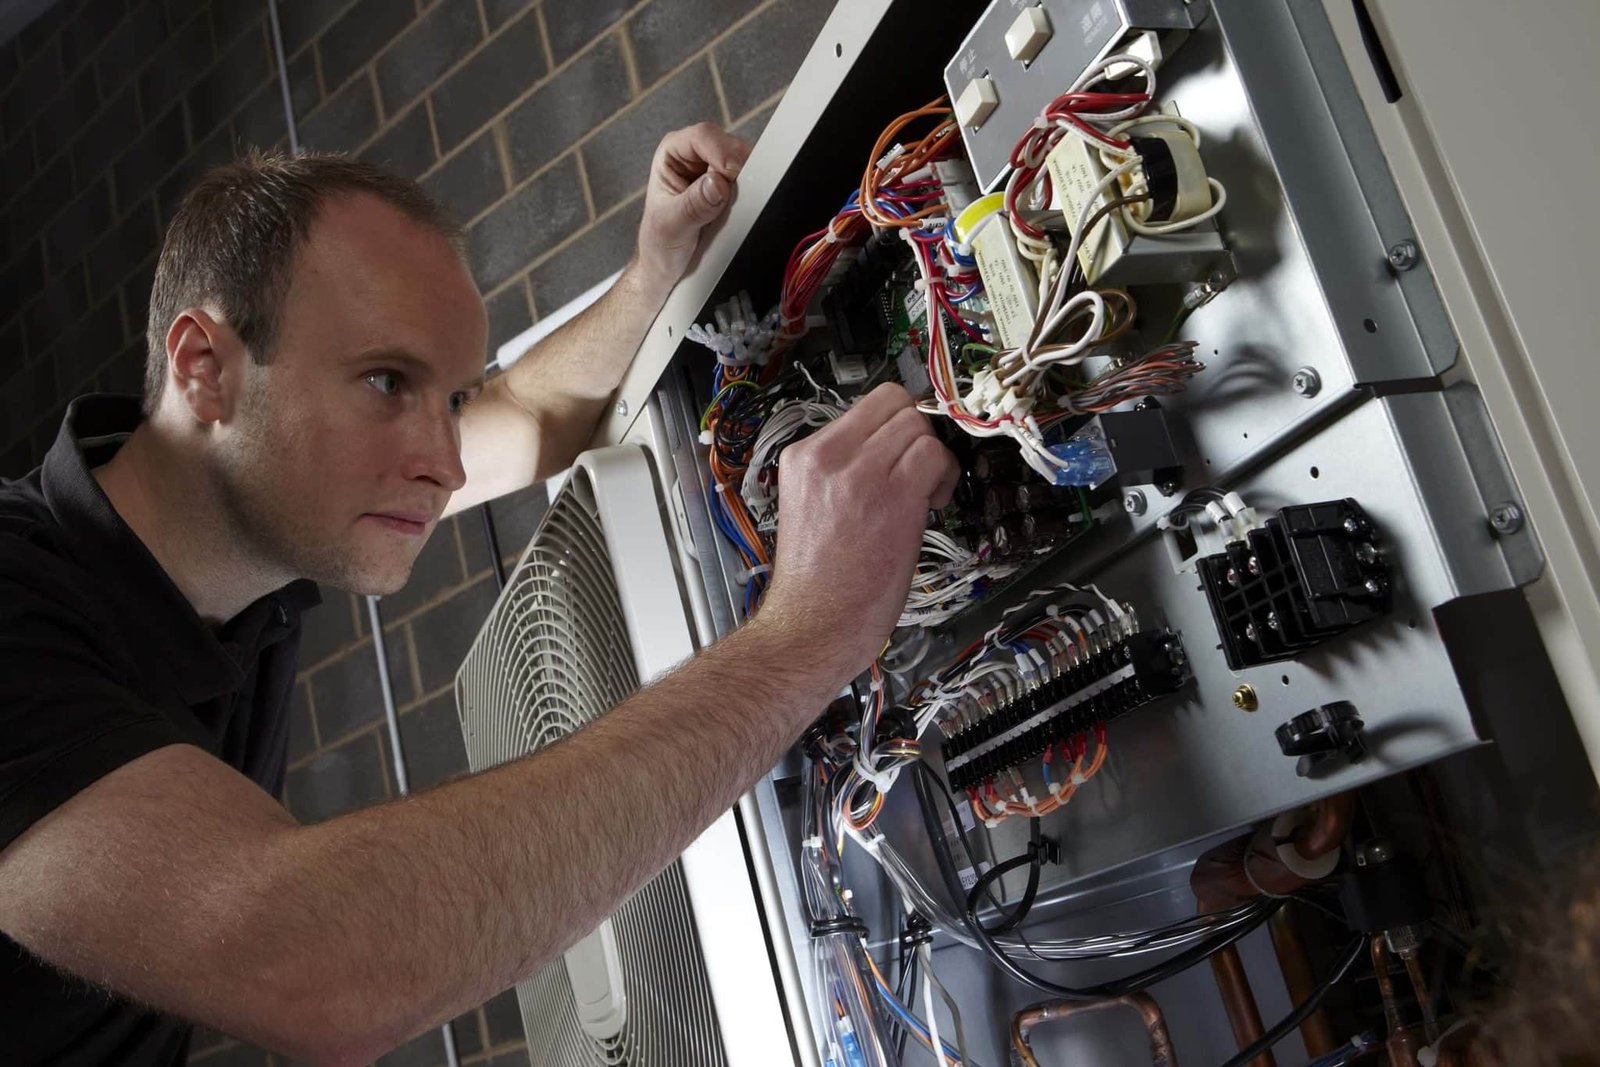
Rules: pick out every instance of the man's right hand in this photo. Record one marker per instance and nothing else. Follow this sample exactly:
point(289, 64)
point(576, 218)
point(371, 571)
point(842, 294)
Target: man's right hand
point(853, 500)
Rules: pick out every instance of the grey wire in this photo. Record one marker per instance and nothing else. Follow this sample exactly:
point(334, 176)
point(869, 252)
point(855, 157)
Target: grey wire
point(288, 101)
point(397, 756)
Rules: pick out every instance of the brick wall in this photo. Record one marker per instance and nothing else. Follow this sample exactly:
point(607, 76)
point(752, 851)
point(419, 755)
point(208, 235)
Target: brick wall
point(534, 120)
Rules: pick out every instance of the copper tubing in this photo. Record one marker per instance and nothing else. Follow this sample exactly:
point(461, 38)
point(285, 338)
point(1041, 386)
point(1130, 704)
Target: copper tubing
point(1316, 1031)
point(1402, 1043)
point(1023, 1023)
point(1241, 870)
point(1243, 1013)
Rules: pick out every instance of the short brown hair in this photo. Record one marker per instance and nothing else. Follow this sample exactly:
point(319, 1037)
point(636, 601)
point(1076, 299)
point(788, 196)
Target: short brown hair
point(235, 235)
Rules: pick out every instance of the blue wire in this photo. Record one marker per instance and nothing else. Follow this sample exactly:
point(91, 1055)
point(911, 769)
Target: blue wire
point(892, 1002)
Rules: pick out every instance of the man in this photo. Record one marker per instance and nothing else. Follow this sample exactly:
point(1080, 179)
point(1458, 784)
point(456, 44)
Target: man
point(314, 404)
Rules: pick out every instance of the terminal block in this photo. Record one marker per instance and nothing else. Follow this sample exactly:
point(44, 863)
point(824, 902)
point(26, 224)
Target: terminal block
point(1108, 684)
point(1309, 573)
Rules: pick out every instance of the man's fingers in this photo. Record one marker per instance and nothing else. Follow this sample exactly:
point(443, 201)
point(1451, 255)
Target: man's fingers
point(850, 431)
point(891, 440)
point(930, 468)
point(705, 199)
point(707, 145)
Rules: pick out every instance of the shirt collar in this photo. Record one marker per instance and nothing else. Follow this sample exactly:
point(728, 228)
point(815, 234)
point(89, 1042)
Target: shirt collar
point(168, 635)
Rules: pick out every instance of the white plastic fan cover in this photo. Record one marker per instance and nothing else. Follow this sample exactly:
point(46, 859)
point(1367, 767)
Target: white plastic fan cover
point(558, 649)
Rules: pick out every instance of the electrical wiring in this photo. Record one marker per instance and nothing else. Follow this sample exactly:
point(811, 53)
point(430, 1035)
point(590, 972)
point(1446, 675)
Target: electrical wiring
point(1283, 1027)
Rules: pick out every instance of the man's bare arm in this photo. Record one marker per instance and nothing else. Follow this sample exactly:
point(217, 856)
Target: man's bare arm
point(176, 882)
point(532, 421)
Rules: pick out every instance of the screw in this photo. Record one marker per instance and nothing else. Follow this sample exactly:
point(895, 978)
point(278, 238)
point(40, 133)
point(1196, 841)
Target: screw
point(1506, 518)
point(1272, 621)
point(1167, 488)
point(1244, 698)
point(1352, 525)
point(1133, 502)
point(1374, 852)
point(1250, 631)
point(1373, 586)
point(1232, 577)
point(1367, 552)
point(1403, 255)
point(1307, 382)
point(1253, 565)
point(622, 409)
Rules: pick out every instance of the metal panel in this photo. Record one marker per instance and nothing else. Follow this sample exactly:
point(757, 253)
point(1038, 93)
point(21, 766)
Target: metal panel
point(1083, 31)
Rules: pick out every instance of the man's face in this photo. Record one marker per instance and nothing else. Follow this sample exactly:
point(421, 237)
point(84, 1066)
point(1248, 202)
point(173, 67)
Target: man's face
point(346, 446)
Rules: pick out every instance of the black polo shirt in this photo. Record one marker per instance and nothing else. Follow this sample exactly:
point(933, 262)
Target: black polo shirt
point(101, 661)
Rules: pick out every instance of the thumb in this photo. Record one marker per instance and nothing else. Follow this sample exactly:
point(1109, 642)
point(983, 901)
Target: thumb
point(705, 199)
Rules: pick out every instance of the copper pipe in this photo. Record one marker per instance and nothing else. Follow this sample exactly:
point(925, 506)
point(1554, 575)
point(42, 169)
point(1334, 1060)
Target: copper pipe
point(1419, 987)
point(1402, 1043)
point(1244, 1015)
point(1328, 829)
point(1316, 1031)
point(1023, 1023)
point(1242, 869)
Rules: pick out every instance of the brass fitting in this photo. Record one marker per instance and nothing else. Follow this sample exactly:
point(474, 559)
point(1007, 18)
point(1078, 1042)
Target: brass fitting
point(1244, 698)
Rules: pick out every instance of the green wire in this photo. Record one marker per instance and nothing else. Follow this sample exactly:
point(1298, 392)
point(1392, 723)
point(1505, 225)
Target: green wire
point(706, 416)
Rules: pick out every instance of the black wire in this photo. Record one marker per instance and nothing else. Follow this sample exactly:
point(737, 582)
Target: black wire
point(1298, 1015)
point(1033, 858)
point(493, 540)
point(1132, 983)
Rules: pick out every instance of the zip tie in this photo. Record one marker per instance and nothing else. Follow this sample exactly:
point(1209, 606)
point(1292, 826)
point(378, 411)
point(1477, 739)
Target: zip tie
point(744, 576)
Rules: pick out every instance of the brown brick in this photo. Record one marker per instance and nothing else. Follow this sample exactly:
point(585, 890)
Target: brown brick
point(598, 253)
point(347, 692)
point(344, 121)
point(171, 71)
point(445, 632)
point(407, 146)
point(108, 135)
point(302, 729)
point(469, 181)
point(567, 107)
point(541, 214)
point(437, 569)
point(433, 45)
point(358, 35)
point(509, 315)
point(88, 26)
point(501, 71)
point(760, 57)
point(229, 83)
point(128, 46)
point(667, 32)
point(617, 158)
point(430, 736)
point(302, 20)
point(151, 157)
point(574, 23)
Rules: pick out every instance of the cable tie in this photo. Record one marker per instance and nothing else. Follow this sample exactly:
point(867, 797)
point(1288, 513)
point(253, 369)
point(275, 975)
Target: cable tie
point(752, 572)
point(845, 924)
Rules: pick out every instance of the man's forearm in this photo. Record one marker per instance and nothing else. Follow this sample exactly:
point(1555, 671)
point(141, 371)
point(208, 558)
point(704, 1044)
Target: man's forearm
point(533, 420)
point(428, 906)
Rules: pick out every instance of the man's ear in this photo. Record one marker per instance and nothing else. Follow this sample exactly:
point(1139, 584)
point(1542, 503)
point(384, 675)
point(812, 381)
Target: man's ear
point(205, 364)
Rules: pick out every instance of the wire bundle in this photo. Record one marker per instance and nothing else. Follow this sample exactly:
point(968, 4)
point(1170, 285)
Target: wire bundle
point(1034, 642)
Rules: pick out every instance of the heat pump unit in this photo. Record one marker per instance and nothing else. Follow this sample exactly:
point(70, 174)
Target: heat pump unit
point(680, 974)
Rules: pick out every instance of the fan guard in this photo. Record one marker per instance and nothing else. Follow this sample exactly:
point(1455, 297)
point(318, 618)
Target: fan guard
point(553, 655)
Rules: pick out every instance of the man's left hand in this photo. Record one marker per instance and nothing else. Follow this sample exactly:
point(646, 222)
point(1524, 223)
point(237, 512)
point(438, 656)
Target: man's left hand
point(691, 182)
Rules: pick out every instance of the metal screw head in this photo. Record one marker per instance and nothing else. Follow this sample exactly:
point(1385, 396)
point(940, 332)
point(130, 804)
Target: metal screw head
point(1251, 632)
point(1403, 255)
point(1351, 526)
point(1306, 382)
point(1244, 698)
point(1371, 853)
point(1133, 502)
point(1505, 518)
point(1373, 586)
point(1167, 488)
point(1367, 552)
point(1272, 621)
point(622, 409)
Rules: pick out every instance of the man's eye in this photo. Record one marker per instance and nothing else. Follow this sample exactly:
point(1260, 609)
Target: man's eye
point(386, 382)
point(459, 401)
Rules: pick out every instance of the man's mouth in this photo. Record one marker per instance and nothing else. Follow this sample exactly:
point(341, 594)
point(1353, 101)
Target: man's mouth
point(414, 523)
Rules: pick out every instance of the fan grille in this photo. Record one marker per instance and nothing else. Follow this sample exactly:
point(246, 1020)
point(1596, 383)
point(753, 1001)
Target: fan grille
point(554, 655)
